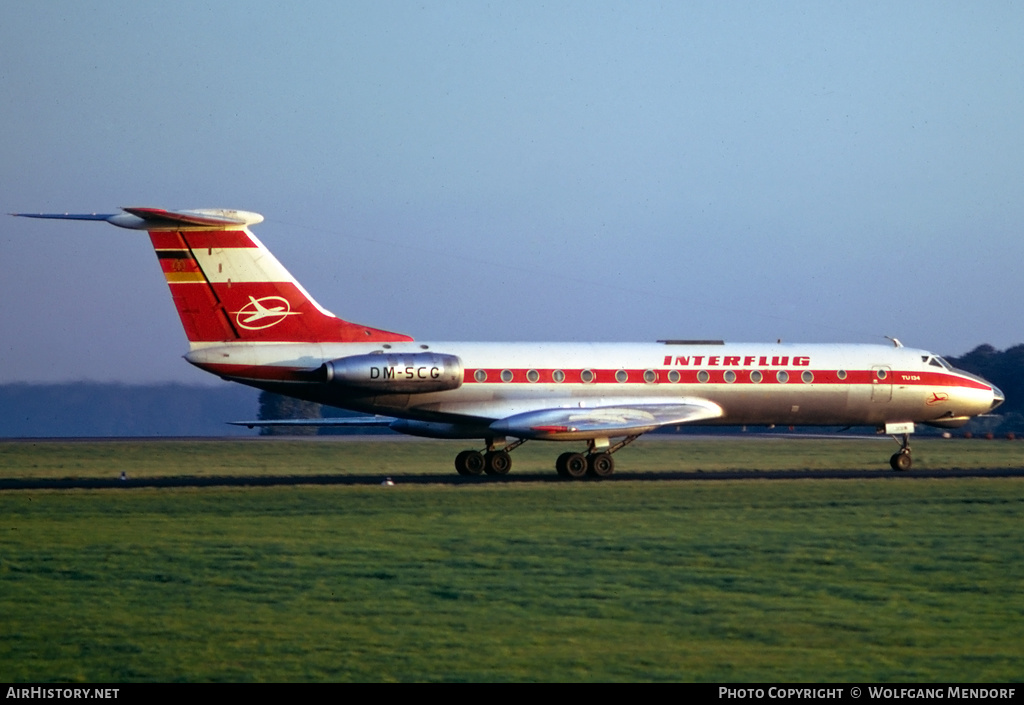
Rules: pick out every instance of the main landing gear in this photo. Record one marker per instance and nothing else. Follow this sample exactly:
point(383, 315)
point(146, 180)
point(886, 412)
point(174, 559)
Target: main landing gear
point(577, 465)
point(494, 461)
point(901, 459)
point(596, 462)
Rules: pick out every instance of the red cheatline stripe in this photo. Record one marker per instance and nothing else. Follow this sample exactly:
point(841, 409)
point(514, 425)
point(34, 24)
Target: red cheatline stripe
point(717, 376)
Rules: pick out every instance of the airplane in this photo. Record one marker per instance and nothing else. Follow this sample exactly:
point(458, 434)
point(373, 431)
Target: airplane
point(248, 320)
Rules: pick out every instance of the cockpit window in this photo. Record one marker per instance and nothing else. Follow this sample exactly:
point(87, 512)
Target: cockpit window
point(936, 361)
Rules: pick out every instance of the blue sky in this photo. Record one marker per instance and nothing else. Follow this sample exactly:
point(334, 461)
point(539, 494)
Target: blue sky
point(825, 172)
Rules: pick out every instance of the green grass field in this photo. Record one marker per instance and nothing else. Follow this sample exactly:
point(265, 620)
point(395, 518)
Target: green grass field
point(397, 456)
point(897, 579)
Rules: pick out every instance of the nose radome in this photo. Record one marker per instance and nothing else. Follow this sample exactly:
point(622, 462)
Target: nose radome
point(997, 397)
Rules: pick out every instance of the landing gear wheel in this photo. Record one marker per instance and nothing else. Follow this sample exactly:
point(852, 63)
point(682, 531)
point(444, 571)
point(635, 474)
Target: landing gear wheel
point(469, 462)
point(560, 464)
point(600, 464)
point(576, 465)
point(497, 462)
point(900, 461)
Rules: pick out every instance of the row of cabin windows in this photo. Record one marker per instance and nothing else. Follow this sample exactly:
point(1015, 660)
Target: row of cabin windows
point(651, 377)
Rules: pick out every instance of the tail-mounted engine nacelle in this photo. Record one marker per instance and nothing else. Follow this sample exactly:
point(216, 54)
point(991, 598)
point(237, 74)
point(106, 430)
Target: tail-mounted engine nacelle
point(398, 373)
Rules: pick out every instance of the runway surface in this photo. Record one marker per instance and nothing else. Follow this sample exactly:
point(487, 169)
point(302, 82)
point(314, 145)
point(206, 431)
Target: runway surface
point(450, 478)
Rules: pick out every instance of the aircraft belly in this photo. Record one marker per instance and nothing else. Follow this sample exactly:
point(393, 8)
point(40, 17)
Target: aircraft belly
point(802, 405)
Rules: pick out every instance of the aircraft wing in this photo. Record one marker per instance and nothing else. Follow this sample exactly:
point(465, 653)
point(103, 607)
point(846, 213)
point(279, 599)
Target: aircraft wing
point(564, 423)
point(573, 423)
point(328, 422)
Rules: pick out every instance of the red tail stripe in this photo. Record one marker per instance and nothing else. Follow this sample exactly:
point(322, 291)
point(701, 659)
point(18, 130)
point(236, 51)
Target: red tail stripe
point(200, 239)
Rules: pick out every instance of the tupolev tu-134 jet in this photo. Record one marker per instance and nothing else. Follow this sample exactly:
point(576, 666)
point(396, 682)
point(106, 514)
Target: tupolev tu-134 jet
point(248, 320)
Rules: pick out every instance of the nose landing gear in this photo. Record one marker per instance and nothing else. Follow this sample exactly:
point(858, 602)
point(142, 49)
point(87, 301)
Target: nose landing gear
point(901, 460)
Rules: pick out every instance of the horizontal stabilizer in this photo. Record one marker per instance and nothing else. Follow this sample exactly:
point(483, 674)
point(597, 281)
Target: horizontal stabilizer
point(162, 219)
point(212, 217)
point(67, 216)
point(621, 420)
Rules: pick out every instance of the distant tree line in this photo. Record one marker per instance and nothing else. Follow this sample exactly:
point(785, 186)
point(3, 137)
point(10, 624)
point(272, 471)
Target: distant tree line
point(1004, 369)
point(98, 409)
point(275, 406)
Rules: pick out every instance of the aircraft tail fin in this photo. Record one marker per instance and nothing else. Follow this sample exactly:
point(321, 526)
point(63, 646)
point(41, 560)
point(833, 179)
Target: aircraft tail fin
point(226, 284)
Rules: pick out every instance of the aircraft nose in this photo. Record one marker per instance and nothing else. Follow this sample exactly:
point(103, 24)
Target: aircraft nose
point(997, 397)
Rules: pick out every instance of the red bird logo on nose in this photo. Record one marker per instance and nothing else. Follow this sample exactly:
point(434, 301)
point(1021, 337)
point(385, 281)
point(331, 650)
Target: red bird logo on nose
point(938, 398)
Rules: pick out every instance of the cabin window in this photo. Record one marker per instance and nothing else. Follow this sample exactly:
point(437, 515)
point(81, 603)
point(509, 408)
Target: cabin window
point(532, 376)
point(587, 376)
point(782, 376)
point(650, 376)
point(841, 374)
point(480, 375)
point(730, 376)
point(506, 375)
point(756, 377)
point(673, 376)
point(621, 376)
point(881, 373)
point(703, 376)
point(807, 376)
point(558, 376)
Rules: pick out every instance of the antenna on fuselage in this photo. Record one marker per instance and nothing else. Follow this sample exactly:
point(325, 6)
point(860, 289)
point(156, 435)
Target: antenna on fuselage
point(895, 341)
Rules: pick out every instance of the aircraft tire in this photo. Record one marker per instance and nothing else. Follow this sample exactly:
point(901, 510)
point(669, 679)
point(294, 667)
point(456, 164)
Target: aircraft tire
point(576, 465)
point(560, 464)
point(469, 462)
point(600, 464)
point(497, 462)
point(900, 461)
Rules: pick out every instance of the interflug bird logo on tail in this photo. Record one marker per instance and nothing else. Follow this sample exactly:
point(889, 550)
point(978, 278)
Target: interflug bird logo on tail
point(264, 312)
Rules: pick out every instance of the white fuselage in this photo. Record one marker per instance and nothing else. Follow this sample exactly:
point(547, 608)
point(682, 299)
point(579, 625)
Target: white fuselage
point(784, 384)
